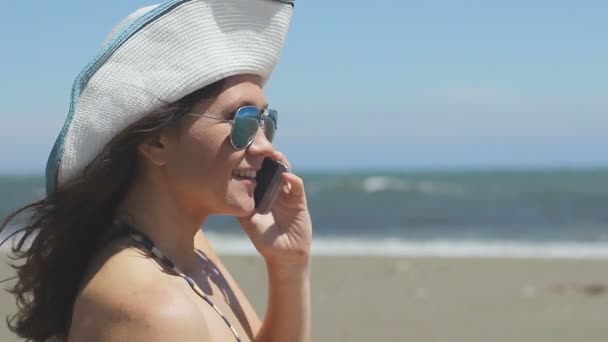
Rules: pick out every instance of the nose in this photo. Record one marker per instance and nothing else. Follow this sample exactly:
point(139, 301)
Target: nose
point(260, 144)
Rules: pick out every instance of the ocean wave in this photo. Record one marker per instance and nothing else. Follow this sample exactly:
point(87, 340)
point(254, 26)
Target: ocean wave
point(380, 183)
point(231, 244)
point(392, 247)
point(384, 183)
point(375, 184)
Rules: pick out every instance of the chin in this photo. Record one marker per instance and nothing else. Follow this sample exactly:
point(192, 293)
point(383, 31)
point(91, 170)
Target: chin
point(242, 208)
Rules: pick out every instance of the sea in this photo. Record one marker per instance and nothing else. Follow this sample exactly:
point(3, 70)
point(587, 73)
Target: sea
point(483, 213)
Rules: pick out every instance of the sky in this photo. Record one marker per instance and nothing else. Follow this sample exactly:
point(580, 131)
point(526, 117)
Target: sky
point(363, 84)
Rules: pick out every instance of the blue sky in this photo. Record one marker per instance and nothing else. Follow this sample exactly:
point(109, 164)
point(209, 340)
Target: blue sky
point(362, 84)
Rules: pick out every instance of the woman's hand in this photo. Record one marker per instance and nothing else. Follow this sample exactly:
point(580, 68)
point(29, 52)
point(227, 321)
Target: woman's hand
point(284, 235)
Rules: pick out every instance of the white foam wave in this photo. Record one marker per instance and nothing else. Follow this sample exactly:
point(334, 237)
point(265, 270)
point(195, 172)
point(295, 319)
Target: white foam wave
point(377, 183)
point(382, 183)
point(237, 245)
point(342, 246)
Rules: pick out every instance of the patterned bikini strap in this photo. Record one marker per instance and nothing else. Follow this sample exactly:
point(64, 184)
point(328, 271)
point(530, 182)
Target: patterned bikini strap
point(151, 247)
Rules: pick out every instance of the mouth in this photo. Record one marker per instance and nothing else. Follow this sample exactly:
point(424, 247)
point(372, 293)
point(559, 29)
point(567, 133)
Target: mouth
point(244, 174)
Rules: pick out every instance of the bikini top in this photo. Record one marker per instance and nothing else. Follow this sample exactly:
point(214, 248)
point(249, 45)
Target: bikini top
point(149, 245)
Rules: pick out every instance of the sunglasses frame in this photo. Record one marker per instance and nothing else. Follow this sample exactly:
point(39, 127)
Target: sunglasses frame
point(263, 114)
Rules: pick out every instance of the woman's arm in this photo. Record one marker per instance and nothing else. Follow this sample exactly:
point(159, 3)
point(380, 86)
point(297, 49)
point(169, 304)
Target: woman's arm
point(284, 238)
point(288, 311)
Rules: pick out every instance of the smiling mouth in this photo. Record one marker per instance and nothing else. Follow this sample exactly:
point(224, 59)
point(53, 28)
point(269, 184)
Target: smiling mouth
point(244, 174)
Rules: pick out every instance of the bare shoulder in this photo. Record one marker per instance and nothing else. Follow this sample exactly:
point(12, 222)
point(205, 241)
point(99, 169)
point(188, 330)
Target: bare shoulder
point(125, 297)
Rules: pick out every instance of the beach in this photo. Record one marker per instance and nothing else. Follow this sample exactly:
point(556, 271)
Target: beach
point(365, 298)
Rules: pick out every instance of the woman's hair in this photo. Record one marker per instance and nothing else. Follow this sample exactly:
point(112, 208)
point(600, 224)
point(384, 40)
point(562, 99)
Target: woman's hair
point(68, 227)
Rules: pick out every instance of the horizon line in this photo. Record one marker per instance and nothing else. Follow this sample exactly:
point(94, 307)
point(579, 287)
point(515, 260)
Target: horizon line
point(410, 169)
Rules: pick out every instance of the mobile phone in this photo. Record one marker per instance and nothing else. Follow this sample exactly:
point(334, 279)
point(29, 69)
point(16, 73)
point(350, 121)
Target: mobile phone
point(268, 183)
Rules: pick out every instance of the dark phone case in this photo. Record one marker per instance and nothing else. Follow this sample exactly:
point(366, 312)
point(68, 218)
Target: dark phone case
point(268, 184)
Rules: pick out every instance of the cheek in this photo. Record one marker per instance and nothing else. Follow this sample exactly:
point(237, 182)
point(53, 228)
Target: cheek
point(202, 159)
point(192, 159)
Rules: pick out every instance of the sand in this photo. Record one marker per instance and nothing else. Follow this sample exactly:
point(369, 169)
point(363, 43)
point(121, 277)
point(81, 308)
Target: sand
point(435, 299)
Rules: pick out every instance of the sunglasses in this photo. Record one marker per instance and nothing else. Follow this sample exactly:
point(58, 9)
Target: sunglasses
point(247, 120)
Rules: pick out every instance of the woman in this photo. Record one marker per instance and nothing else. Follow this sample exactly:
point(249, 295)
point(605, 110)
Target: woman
point(158, 138)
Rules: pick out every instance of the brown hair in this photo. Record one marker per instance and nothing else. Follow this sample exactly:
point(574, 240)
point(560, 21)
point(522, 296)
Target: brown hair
point(66, 228)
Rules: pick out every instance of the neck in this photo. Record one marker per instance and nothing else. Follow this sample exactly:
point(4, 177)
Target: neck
point(157, 211)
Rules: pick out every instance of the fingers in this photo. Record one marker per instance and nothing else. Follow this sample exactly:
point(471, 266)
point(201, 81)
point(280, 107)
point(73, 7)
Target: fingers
point(280, 157)
point(294, 185)
point(286, 188)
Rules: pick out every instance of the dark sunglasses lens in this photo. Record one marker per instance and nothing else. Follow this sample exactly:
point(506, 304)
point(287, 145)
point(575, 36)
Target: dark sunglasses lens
point(270, 124)
point(246, 123)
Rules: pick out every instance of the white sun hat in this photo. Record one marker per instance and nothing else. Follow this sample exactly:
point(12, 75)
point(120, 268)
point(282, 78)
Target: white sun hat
point(158, 55)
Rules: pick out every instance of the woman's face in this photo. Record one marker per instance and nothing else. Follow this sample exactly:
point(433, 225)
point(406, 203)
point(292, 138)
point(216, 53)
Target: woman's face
point(200, 160)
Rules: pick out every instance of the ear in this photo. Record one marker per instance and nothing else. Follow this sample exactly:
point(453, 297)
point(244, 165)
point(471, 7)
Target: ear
point(158, 148)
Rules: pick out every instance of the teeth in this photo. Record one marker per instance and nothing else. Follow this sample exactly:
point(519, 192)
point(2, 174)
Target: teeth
point(244, 173)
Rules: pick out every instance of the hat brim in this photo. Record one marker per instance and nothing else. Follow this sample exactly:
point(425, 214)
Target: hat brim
point(158, 55)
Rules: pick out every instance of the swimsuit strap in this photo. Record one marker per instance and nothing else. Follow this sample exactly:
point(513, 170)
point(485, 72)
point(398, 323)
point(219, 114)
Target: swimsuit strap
point(151, 247)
